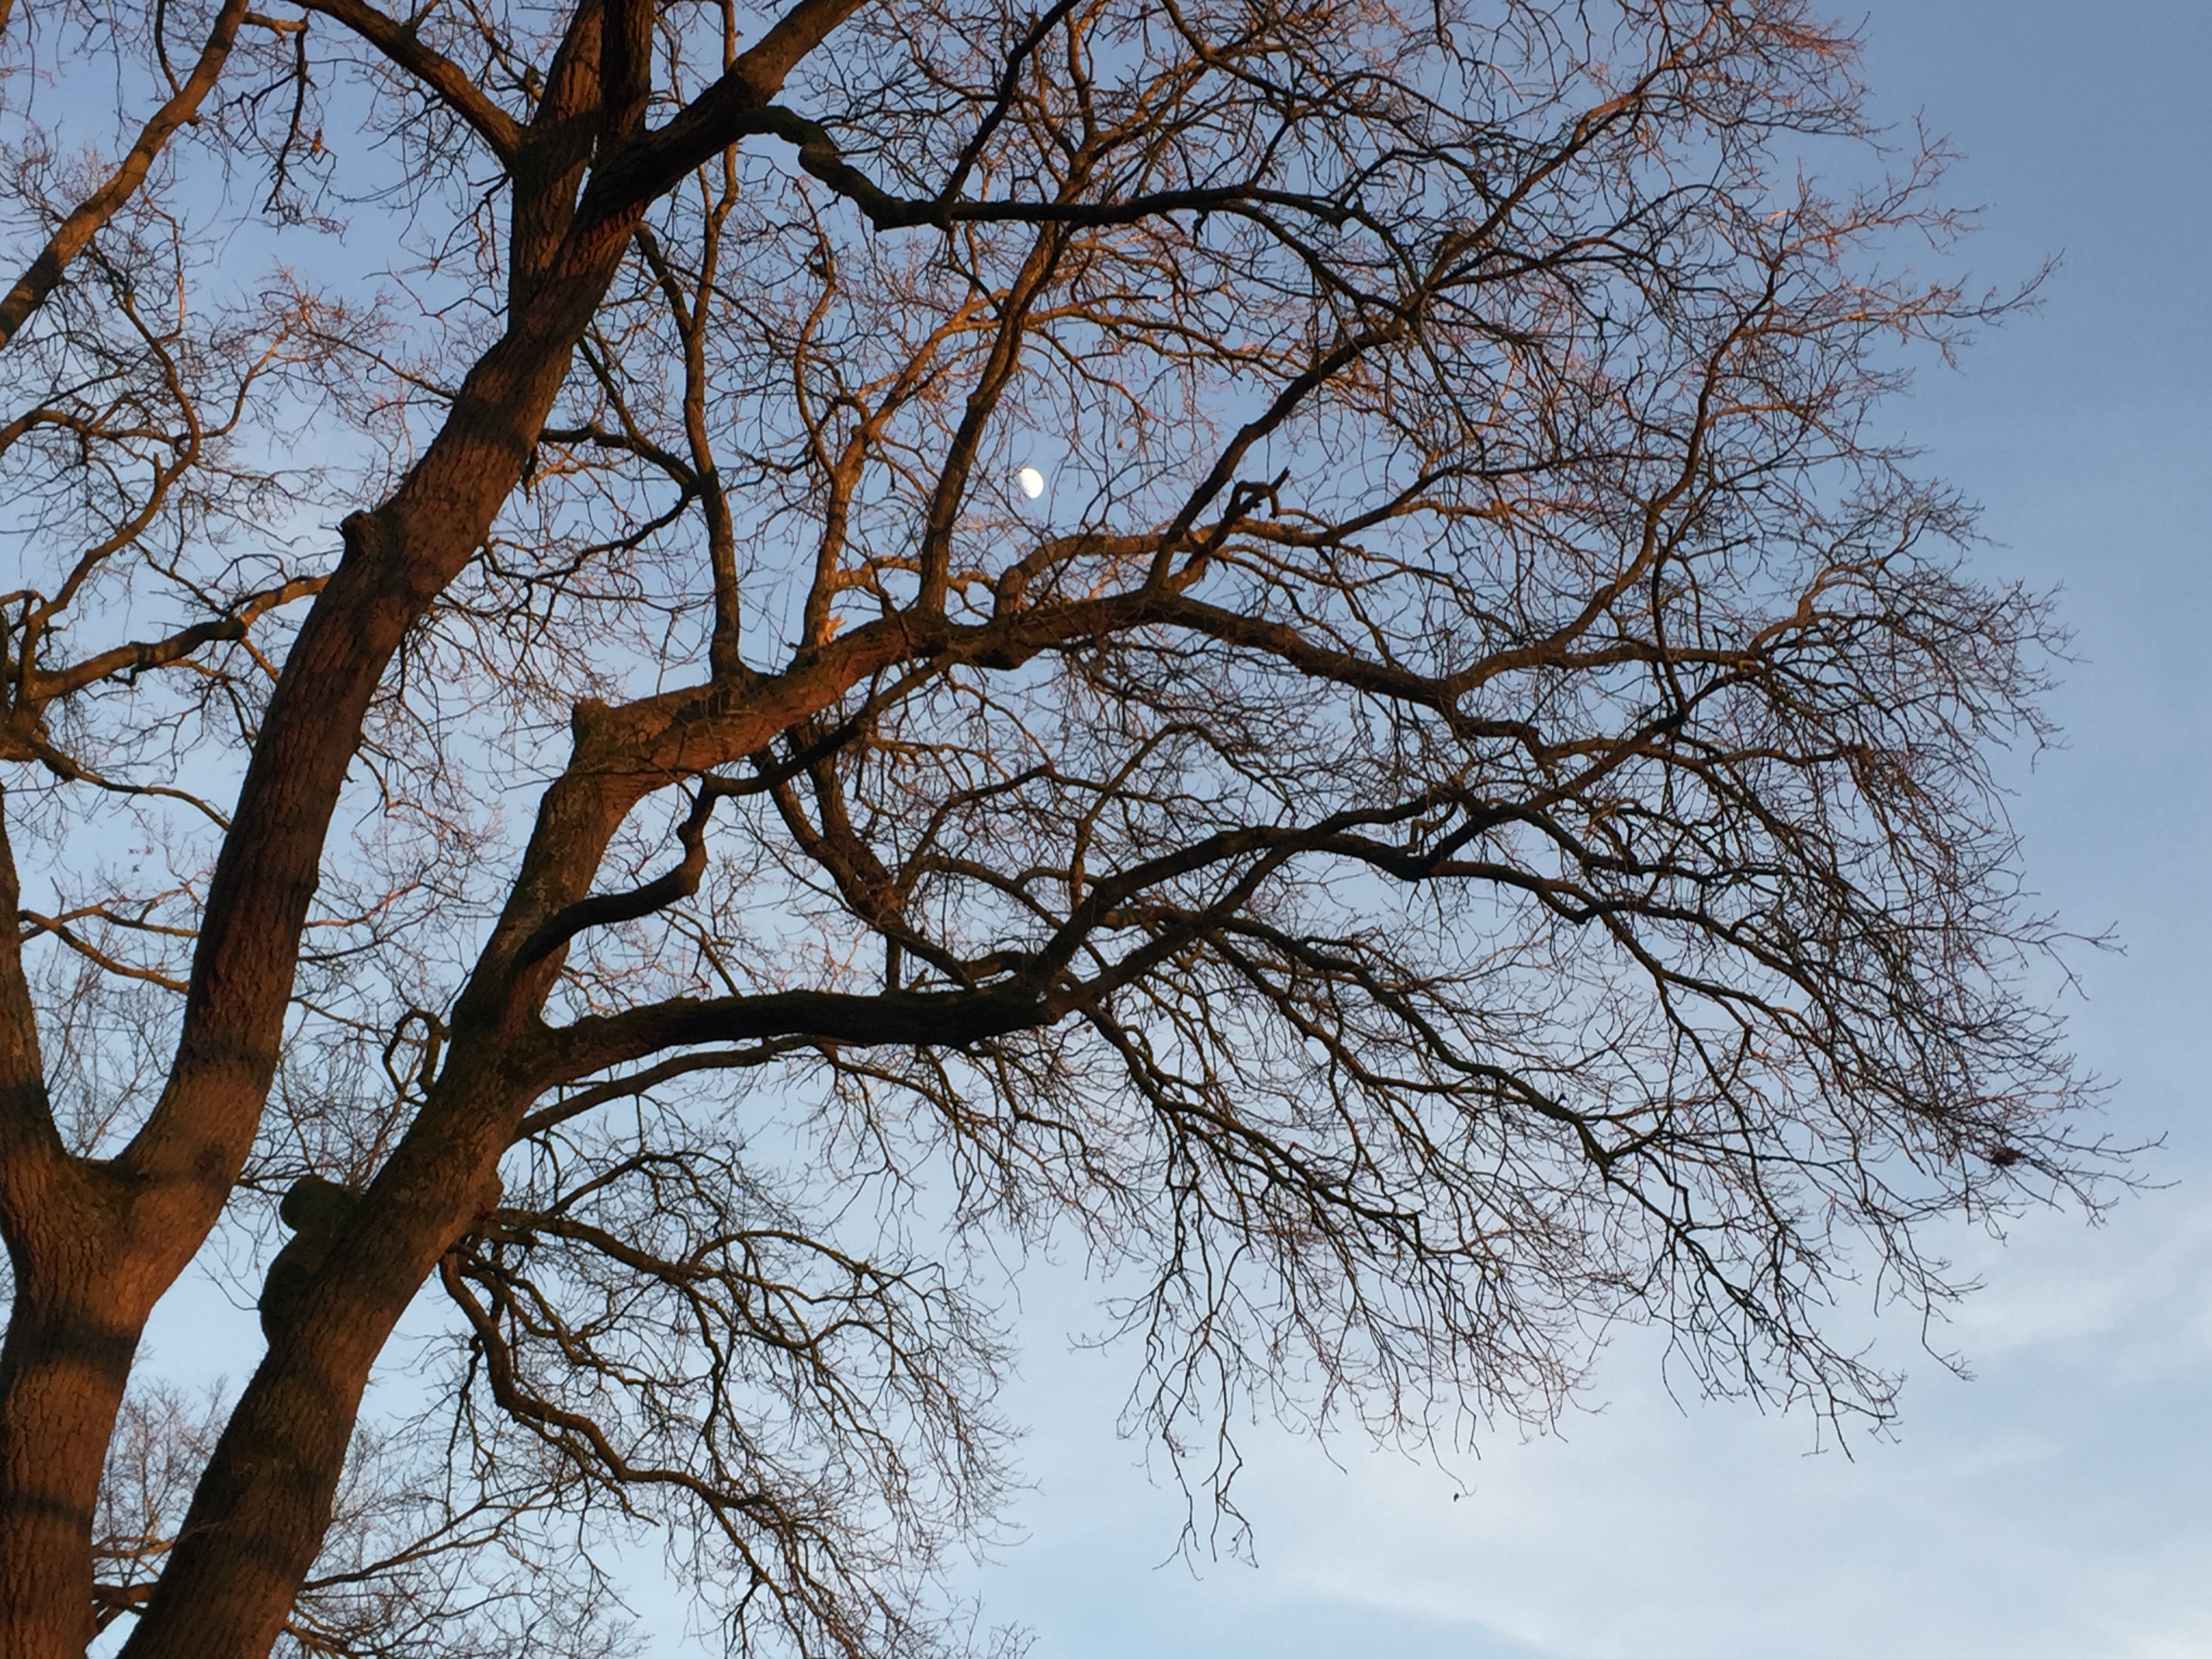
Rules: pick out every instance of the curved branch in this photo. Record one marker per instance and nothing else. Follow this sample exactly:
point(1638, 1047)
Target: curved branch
point(605, 909)
point(622, 1088)
point(728, 111)
point(136, 657)
point(84, 221)
point(455, 87)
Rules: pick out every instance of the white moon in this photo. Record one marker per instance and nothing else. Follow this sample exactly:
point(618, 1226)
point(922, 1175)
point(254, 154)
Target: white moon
point(1033, 482)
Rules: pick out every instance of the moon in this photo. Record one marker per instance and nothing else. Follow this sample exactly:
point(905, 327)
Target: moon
point(1032, 482)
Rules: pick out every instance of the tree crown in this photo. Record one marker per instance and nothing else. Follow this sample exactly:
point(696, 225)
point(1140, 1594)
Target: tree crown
point(545, 721)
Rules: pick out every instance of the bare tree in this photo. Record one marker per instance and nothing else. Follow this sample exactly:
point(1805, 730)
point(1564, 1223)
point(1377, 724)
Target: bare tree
point(1276, 641)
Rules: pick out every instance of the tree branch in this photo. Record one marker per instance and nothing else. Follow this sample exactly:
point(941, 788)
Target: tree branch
point(641, 170)
point(454, 86)
point(820, 156)
point(86, 219)
point(29, 1142)
point(609, 908)
point(44, 685)
point(946, 1019)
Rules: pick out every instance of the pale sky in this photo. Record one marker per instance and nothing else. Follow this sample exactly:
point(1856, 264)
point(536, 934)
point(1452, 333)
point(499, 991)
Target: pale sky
point(2056, 1504)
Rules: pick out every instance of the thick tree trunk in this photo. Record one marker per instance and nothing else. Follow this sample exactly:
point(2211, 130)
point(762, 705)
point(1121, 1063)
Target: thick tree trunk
point(63, 1371)
point(90, 1270)
point(67, 1355)
point(259, 1514)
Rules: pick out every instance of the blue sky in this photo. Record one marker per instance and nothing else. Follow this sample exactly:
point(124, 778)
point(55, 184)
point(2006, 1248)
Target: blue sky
point(2055, 1505)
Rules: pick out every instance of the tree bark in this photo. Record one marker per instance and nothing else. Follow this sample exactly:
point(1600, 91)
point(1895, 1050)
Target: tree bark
point(68, 1347)
point(63, 1371)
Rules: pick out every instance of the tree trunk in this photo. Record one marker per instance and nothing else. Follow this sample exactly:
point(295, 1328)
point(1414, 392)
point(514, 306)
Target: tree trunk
point(260, 1511)
point(63, 1371)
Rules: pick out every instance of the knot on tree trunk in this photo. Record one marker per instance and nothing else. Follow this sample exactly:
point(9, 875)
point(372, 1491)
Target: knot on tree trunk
point(316, 1209)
